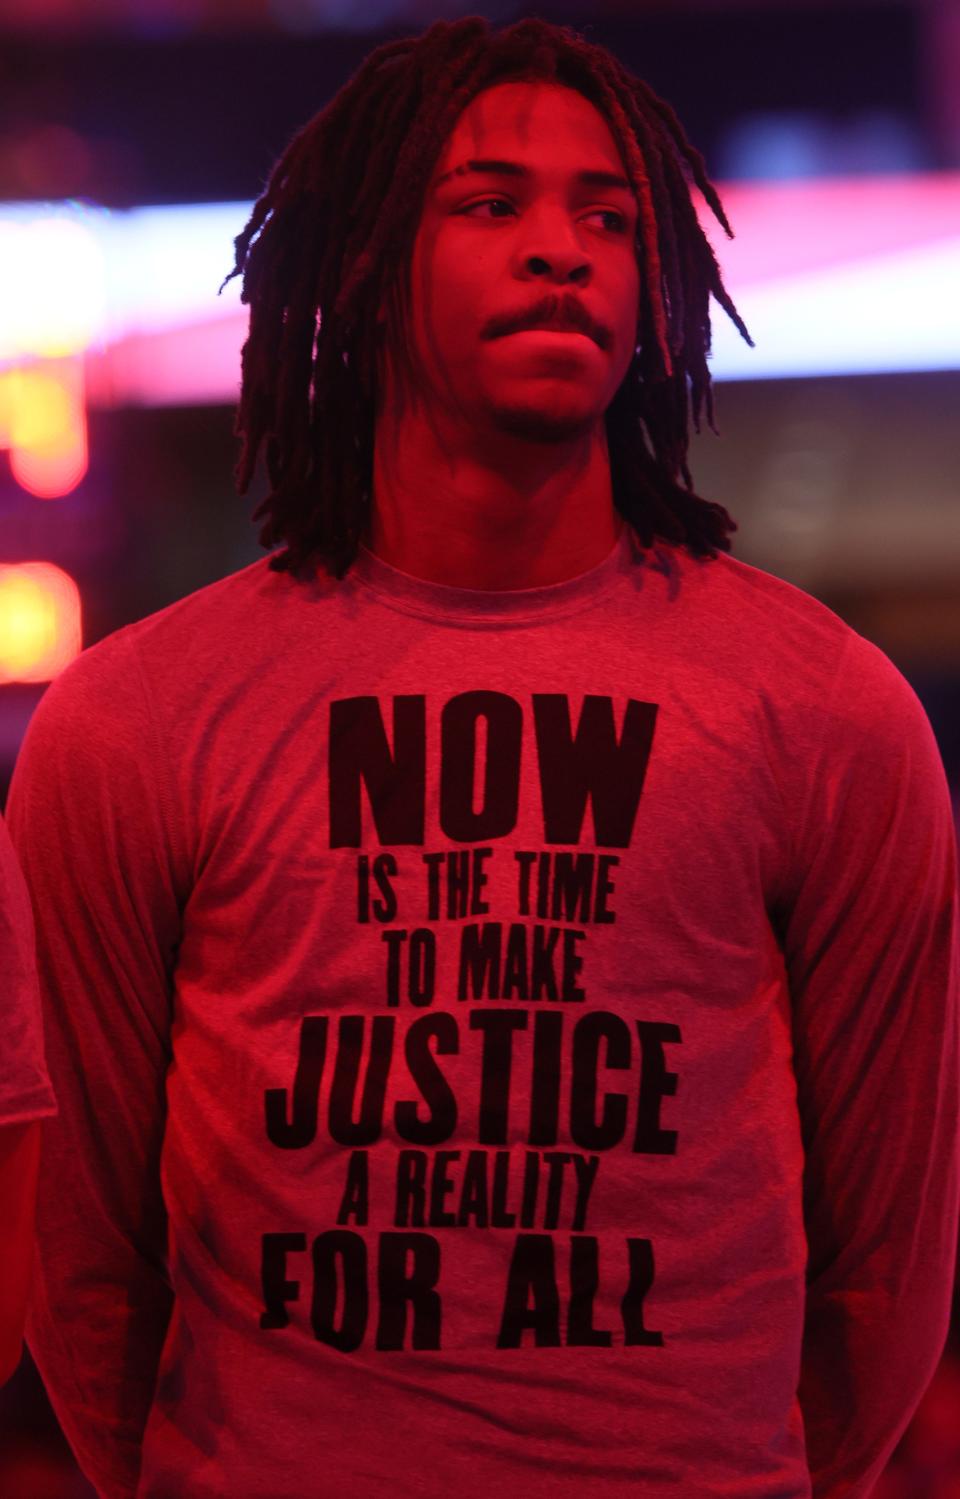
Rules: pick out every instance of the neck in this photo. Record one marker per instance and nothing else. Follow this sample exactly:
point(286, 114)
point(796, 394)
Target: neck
point(518, 515)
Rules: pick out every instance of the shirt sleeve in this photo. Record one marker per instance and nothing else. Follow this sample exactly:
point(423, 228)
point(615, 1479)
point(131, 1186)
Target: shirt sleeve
point(871, 948)
point(91, 827)
point(25, 1091)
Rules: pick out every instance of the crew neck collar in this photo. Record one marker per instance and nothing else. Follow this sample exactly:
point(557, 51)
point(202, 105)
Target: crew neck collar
point(478, 606)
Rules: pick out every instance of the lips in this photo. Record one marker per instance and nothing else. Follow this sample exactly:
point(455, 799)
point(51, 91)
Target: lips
point(555, 328)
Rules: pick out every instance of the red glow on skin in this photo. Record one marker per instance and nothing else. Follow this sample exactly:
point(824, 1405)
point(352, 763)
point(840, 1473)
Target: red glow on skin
point(492, 471)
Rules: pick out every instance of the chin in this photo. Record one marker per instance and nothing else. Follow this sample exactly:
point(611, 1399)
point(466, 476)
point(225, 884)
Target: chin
point(542, 425)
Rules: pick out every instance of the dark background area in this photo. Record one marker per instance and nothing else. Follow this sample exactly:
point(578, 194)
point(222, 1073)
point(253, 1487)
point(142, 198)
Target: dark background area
point(203, 118)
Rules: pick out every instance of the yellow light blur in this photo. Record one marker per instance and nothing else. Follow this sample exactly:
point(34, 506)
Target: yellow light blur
point(40, 628)
point(44, 423)
point(41, 411)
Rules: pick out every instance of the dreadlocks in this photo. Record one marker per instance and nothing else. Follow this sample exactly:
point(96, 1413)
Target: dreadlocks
point(340, 213)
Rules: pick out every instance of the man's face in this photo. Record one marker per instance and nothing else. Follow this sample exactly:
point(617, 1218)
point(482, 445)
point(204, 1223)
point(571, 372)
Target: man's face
point(508, 248)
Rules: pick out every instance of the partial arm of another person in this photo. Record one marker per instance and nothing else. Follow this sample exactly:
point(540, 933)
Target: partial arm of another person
point(90, 820)
point(26, 1098)
point(19, 1164)
point(871, 945)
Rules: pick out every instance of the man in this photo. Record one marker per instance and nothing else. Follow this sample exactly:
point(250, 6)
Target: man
point(25, 1100)
point(503, 982)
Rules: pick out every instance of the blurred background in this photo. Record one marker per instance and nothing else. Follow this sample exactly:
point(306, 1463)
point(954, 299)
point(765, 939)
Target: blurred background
point(134, 136)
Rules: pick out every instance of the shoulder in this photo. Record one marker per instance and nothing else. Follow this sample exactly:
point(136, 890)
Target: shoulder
point(799, 653)
point(246, 605)
point(783, 637)
point(746, 604)
point(809, 682)
point(232, 627)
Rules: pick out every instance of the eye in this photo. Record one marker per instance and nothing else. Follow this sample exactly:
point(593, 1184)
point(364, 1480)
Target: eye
point(619, 225)
point(620, 222)
point(482, 203)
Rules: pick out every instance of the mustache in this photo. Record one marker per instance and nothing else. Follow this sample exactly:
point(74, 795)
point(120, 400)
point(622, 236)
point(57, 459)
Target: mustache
point(567, 313)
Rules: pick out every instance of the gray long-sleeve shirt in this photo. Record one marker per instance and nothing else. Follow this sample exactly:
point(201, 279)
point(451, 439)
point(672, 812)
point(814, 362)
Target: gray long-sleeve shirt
point(506, 1042)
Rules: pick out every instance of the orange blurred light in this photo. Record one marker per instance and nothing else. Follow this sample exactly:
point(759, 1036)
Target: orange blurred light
point(40, 630)
point(44, 423)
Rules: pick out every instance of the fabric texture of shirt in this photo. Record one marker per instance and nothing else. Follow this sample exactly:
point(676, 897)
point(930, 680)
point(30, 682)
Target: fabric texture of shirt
point(25, 1091)
point(506, 1042)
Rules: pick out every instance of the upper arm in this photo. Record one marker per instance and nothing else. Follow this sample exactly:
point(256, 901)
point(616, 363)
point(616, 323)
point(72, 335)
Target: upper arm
point(872, 954)
point(86, 817)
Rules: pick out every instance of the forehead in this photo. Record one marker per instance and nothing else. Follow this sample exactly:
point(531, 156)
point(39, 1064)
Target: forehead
point(531, 118)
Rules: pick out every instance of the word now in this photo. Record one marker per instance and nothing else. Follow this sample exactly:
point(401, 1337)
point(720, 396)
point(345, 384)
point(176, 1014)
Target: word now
point(590, 763)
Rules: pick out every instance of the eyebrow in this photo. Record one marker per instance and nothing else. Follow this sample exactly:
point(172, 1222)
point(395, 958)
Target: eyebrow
point(497, 168)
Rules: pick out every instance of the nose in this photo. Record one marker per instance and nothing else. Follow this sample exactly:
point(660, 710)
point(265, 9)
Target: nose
point(559, 266)
point(552, 249)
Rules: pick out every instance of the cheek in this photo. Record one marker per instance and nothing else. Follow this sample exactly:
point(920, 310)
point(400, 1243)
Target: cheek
point(461, 268)
point(441, 287)
point(452, 302)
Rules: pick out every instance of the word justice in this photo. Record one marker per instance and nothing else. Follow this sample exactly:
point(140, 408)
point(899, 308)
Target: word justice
point(555, 1069)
